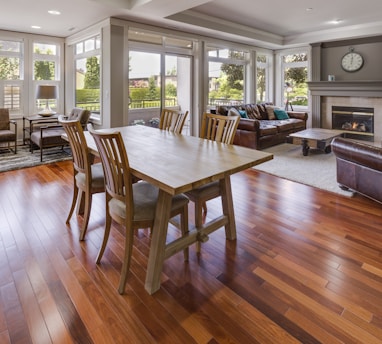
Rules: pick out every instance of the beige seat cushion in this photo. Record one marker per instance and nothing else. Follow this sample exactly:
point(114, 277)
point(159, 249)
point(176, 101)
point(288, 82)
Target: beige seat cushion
point(145, 200)
point(50, 137)
point(97, 177)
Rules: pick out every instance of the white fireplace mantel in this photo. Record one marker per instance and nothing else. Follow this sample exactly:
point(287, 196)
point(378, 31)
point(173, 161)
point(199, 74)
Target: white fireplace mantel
point(346, 88)
point(326, 94)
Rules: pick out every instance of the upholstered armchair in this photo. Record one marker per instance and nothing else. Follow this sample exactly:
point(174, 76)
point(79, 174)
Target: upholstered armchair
point(6, 134)
point(51, 135)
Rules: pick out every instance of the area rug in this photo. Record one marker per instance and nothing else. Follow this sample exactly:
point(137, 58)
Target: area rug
point(317, 169)
point(24, 158)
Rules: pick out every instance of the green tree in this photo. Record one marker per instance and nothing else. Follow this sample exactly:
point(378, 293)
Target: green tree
point(92, 75)
point(153, 92)
point(172, 72)
point(9, 68)
point(171, 90)
point(295, 75)
point(234, 75)
point(44, 70)
point(260, 82)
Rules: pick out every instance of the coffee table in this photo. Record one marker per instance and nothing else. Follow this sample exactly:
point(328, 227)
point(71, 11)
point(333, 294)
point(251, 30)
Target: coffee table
point(315, 138)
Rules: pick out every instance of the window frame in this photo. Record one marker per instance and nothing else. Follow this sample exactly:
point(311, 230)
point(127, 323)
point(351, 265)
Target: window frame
point(245, 62)
point(19, 83)
point(297, 64)
point(85, 54)
point(56, 104)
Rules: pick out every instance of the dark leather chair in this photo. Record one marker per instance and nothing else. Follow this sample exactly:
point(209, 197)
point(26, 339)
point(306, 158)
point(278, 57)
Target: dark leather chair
point(359, 167)
point(51, 135)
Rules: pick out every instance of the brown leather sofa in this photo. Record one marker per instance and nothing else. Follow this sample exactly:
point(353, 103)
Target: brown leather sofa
point(258, 131)
point(359, 167)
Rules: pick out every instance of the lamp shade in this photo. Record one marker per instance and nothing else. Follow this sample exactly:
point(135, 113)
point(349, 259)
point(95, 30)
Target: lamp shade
point(46, 92)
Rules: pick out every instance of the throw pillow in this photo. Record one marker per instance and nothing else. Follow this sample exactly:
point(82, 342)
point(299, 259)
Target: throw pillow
point(243, 114)
point(233, 112)
point(262, 109)
point(221, 110)
point(281, 114)
point(270, 112)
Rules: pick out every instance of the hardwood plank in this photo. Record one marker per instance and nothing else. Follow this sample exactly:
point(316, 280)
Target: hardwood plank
point(305, 267)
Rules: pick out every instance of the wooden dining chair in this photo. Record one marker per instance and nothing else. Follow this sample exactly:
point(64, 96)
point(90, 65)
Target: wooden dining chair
point(130, 204)
point(88, 178)
point(172, 120)
point(220, 129)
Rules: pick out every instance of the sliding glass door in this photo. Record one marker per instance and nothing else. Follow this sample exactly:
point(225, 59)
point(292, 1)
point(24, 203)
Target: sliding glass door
point(177, 91)
point(157, 81)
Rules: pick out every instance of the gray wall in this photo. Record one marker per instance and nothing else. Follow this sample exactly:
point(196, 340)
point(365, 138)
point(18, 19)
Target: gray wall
point(371, 50)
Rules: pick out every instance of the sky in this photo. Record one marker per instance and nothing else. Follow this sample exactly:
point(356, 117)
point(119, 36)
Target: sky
point(148, 64)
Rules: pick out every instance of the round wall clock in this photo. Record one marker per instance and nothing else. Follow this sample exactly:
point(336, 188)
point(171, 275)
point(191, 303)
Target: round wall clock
point(352, 61)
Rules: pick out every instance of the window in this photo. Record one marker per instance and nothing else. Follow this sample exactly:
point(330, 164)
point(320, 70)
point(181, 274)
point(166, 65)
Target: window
point(262, 78)
point(160, 76)
point(11, 75)
point(226, 70)
point(87, 60)
point(295, 76)
point(46, 70)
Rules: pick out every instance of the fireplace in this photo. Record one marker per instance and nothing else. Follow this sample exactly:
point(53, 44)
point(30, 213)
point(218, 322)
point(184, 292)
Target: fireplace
point(326, 94)
point(357, 122)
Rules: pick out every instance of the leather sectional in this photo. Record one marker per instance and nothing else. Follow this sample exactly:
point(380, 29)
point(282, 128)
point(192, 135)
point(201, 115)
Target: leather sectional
point(256, 130)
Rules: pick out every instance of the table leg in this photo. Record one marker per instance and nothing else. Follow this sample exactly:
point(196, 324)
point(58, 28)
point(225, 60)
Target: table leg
point(305, 147)
point(158, 242)
point(228, 210)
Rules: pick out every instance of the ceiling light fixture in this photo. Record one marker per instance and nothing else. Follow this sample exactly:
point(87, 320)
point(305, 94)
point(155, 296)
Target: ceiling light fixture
point(309, 9)
point(336, 21)
point(36, 27)
point(54, 12)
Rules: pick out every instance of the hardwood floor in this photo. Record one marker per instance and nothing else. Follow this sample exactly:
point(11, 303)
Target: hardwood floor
point(306, 267)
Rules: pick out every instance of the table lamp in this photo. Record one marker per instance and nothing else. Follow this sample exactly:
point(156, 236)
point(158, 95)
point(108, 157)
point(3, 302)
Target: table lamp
point(46, 92)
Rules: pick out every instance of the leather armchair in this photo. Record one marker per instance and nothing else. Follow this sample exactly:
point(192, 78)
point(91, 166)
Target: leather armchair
point(6, 134)
point(359, 167)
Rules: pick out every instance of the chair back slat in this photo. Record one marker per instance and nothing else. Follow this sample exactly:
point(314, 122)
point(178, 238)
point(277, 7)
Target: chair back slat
point(219, 128)
point(118, 178)
point(77, 141)
point(172, 120)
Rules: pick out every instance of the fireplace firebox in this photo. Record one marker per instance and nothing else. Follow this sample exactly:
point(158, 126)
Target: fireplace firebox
point(357, 122)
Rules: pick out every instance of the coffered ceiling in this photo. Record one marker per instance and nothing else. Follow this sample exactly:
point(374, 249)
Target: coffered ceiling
point(267, 23)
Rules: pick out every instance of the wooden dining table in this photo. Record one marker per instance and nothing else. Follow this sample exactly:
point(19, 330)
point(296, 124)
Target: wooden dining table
point(178, 163)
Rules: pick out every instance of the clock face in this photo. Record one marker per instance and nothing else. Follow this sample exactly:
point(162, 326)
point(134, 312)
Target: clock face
point(351, 62)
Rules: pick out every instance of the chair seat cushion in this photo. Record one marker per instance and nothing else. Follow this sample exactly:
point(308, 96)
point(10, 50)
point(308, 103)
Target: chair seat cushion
point(207, 191)
point(7, 135)
point(98, 181)
point(51, 137)
point(145, 198)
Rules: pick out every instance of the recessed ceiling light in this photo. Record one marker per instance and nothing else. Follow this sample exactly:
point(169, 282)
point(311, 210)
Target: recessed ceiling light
point(54, 12)
point(336, 21)
point(309, 9)
point(36, 27)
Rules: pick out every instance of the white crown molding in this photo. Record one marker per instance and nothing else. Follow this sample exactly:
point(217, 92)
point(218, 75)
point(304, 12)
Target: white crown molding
point(341, 33)
point(225, 27)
